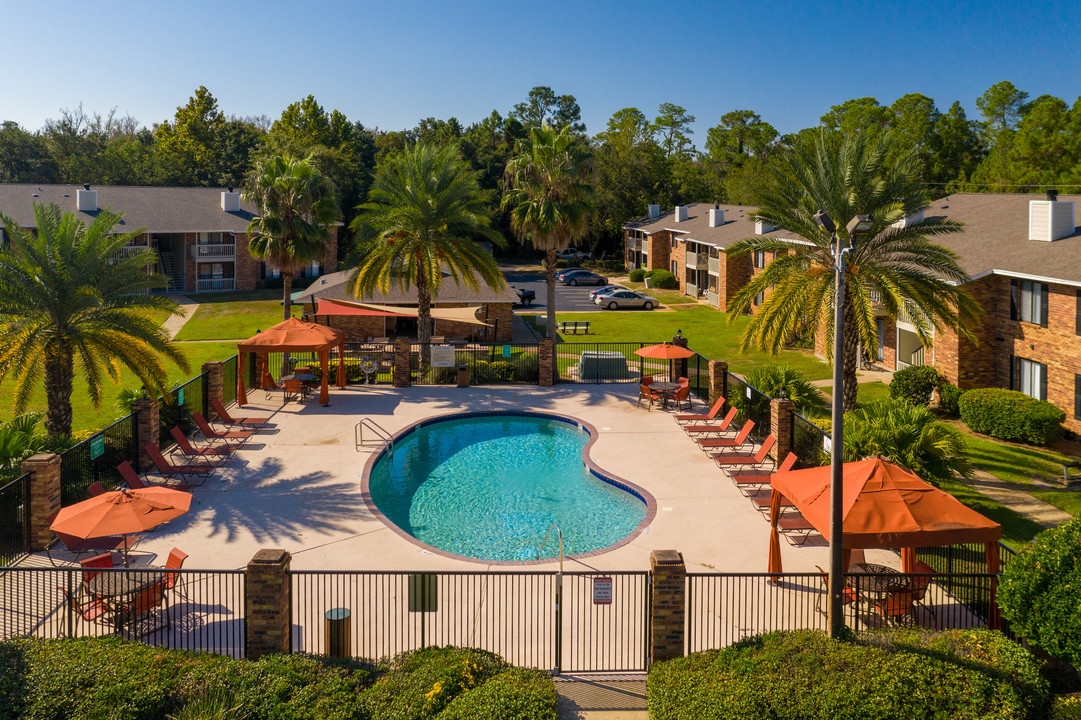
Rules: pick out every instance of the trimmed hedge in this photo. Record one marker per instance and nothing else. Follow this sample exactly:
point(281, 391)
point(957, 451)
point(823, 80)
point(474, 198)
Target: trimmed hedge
point(915, 384)
point(637, 275)
point(664, 280)
point(961, 675)
point(1010, 415)
point(99, 678)
point(949, 395)
point(1039, 592)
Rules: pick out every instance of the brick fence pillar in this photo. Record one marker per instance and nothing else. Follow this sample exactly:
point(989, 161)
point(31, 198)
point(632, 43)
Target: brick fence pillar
point(147, 421)
point(267, 604)
point(215, 386)
point(547, 362)
point(402, 351)
point(44, 469)
point(669, 605)
point(780, 424)
point(718, 380)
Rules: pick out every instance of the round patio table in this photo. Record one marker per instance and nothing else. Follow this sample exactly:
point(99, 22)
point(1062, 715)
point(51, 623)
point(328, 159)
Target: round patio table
point(118, 584)
point(878, 581)
point(665, 387)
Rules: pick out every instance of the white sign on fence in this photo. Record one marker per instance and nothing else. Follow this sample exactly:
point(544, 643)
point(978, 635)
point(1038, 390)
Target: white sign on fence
point(602, 591)
point(442, 356)
point(827, 443)
point(748, 392)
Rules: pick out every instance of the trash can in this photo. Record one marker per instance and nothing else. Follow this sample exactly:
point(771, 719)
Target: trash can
point(463, 376)
point(338, 633)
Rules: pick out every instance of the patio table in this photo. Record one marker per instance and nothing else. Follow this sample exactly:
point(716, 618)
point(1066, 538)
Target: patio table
point(306, 379)
point(667, 388)
point(110, 585)
point(879, 582)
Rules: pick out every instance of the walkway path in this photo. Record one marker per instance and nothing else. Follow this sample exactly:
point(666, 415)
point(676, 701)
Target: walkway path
point(1017, 500)
point(173, 323)
point(602, 697)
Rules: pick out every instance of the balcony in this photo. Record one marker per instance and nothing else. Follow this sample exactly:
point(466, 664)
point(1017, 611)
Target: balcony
point(715, 266)
point(696, 260)
point(215, 284)
point(215, 251)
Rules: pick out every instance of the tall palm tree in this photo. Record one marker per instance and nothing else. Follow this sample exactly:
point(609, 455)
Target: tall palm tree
point(70, 300)
point(296, 208)
point(901, 268)
point(549, 197)
point(424, 216)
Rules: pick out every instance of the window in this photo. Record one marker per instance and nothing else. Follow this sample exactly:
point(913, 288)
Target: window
point(759, 298)
point(1030, 378)
point(1077, 397)
point(673, 267)
point(1028, 301)
point(674, 242)
point(759, 258)
point(1077, 312)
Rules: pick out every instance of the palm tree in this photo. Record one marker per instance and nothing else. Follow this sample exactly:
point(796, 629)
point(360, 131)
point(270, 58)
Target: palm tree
point(897, 267)
point(70, 300)
point(424, 215)
point(296, 207)
point(773, 380)
point(549, 197)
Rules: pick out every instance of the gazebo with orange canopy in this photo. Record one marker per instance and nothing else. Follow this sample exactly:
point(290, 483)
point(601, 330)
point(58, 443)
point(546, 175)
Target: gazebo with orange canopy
point(294, 335)
point(885, 506)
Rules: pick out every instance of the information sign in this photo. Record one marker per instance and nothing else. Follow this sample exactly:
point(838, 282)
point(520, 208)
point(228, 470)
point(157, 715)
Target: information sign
point(97, 446)
point(602, 591)
point(442, 356)
point(506, 351)
point(180, 396)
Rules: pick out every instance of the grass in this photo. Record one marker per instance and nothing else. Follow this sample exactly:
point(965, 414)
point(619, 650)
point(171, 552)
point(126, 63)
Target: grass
point(233, 316)
point(865, 393)
point(1017, 530)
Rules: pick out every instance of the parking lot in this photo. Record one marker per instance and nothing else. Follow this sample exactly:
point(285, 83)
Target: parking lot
point(568, 299)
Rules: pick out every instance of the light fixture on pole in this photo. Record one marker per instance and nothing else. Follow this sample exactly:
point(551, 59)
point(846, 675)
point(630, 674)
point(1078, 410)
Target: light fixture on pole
point(857, 225)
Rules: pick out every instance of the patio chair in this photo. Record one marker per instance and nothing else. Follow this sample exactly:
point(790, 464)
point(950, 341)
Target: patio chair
point(683, 395)
point(684, 382)
point(725, 423)
point(681, 419)
point(758, 458)
point(211, 434)
point(920, 585)
point(226, 419)
point(169, 470)
point(271, 387)
point(141, 607)
point(89, 609)
point(128, 474)
point(103, 561)
point(848, 595)
point(796, 530)
point(647, 379)
point(96, 489)
point(739, 440)
point(755, 480)
point(174, 579)
point(83, 546)
point(185, 447)
point(645, 393)
point(294, 387)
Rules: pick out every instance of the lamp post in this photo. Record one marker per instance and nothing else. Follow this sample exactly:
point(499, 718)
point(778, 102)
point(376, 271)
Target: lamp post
point(858, 224)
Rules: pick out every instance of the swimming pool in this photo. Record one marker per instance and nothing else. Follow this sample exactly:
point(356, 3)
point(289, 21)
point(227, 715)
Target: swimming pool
point(488, 486)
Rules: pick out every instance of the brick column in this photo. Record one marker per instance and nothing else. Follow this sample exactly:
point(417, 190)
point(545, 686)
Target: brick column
point(669, 605)
point(44, 469)
point(547, 362)
point(679, 367)
point(402, 348)
point(215, 385)
point(147, 420)
point(780, 426)
point(718, 380)
point(267, 604)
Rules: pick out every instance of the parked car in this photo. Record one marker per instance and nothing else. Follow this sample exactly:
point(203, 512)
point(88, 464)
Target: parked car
point(584, 277)
point(623, 299)
point(564, 271)
point(571, 254)
point(606, 290)
point(525, 297)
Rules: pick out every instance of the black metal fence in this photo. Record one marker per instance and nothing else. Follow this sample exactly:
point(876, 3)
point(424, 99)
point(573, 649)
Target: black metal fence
point(610, 362)
point(95, 459)
point(964, 565)
point(175, 408)
point(228, 374)
point(752, 405)
point(488, 364)
point(14, 519)
point(809, 442)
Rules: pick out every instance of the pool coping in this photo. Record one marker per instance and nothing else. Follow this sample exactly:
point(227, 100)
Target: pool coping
point(642, 494)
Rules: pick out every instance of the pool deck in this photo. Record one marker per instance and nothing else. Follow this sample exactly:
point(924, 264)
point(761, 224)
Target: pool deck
point(297, 486)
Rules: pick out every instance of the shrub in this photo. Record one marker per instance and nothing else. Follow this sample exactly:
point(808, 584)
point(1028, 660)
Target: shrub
point(664, 280)
point(480, 373)
point(772, 379)
point(915, 384)
point(948, 397)
point(502, 371)
point(638, 275)
point(528, 368)
point(1067, 707)
point(516, 694)
point(1010, 415)
point(900, 674)
point(1039, 592)
point(442, 375)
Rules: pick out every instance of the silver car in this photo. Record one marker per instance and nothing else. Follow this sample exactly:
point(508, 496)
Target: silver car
point(623, 299)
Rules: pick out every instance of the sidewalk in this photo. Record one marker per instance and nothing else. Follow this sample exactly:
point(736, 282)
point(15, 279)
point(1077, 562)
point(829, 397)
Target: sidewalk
point(173, 323)
point(602, 697)
point(1017, 500)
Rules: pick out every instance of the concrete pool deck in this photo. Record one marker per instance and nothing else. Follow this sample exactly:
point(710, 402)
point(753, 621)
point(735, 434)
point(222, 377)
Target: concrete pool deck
point(297, 486)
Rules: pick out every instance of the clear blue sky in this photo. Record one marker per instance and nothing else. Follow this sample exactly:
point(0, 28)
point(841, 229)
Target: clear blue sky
point(389, 64)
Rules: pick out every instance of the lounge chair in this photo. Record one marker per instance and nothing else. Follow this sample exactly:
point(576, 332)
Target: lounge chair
point(728, 443)
point(763, 503)
point(128, 474)
point(795, 529)
point(89, 609)
point(211, 434)
point(722, 427)
point(226, 419)
point(755, 480)
point(96, 489)
point(758, 458)
point(645, 393)
point(681, 419)
point(204, 452)
point(168, 469)
point(83, 546)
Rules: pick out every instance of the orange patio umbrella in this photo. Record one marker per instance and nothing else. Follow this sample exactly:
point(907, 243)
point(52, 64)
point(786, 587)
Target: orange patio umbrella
point(664, 351)
point(121, 512)
point(293, 335)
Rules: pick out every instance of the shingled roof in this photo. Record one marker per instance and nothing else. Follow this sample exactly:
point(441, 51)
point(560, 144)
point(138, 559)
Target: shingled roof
point(334, 287)
point(737, 225)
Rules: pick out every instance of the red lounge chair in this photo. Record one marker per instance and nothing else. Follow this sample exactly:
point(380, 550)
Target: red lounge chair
point(646, 393)
point(82, 546)
point(752, 481)
point(96, 489)
point(757, 459)
point(190, 450)
point(762, 503)
point(703, 418)
point(795, 529)
point(211, 434)
point(729, 443)
point(128, 474)
point(706, 429)
point(167, 469)
point(226, 419)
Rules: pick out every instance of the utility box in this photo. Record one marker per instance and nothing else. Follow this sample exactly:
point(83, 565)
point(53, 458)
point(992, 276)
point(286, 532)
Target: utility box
point(463, 376)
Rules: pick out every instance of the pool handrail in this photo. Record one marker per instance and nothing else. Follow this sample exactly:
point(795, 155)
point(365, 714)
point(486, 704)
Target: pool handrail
point(544, 542)
point(380, 432)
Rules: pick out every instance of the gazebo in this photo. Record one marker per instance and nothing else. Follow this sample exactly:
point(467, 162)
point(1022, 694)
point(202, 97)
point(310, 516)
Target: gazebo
point(294, 335)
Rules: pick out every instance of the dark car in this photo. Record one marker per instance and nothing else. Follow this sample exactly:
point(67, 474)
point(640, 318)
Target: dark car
point(583, 277)
point(525, 297)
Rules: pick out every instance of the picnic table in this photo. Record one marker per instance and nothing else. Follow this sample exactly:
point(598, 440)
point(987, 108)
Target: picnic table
point(574, 326)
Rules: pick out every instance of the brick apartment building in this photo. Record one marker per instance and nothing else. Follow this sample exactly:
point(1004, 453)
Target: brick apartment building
point(199, 235)
point(1021, 251)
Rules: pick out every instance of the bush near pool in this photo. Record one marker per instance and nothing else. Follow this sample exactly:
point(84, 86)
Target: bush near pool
point(1010, 415)
point(905, 674)
point(97, 678)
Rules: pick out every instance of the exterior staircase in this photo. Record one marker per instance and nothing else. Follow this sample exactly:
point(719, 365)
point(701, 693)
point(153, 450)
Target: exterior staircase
point(171, 271)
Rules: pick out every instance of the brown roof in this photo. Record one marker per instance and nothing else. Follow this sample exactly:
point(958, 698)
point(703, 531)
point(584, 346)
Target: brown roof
point(158, 209)
point(737, 225)
point(333, 287)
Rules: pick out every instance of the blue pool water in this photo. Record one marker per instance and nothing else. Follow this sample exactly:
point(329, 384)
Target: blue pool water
point(489, 487)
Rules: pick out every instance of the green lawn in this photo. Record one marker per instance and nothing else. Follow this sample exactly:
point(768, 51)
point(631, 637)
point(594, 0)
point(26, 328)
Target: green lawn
point(1016, 528)
point(866, 392)
point(233, 316)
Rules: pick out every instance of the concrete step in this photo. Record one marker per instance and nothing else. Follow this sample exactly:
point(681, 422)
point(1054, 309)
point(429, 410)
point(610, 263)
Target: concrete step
point(595, 696)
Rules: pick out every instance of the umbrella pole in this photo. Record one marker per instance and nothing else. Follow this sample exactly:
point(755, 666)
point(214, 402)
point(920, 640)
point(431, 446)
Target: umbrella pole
point(125, 549)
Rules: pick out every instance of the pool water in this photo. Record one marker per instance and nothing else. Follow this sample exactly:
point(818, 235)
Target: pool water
point(489, 487)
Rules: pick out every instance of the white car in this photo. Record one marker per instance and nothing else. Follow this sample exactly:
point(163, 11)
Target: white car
point(571, 254)
point(623, 299)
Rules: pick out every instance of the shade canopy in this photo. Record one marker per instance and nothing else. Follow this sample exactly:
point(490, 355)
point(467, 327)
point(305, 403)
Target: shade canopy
point(294, 335)
point(121, 512)
point(664, 351)
point(336, 307)
point(467, 315)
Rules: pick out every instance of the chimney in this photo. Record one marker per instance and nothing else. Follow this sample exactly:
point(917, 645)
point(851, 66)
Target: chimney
point(716, 218)
point(1050, 219)
point(86, 200)
point(230, 201)
point(681, 213)
point(654, 211)
point(761, 228)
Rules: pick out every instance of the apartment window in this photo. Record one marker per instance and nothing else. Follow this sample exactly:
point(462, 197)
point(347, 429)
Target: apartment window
point(1077, 312)
point(674, 242)
point(1028, 301)
point(1030, 378)
point(759, 298)
point(759, 258)
point(673, 264)
point(1077, 397)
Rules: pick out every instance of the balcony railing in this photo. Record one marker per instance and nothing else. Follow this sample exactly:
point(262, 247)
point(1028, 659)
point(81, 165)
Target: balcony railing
point(215, 284)
point(216, 251)
point(697, 260)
